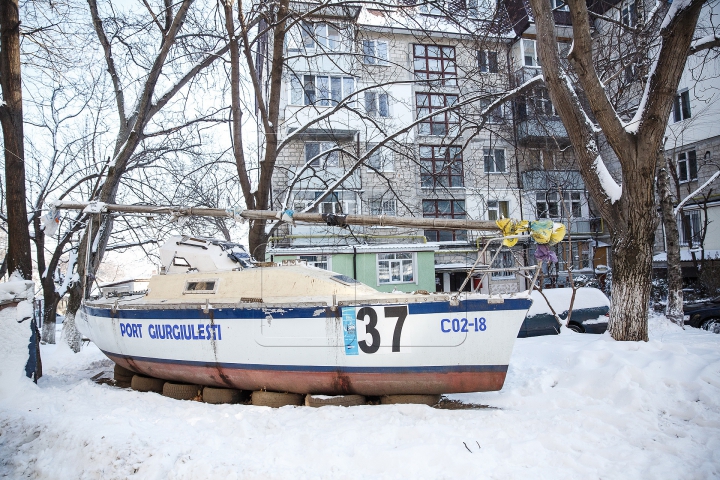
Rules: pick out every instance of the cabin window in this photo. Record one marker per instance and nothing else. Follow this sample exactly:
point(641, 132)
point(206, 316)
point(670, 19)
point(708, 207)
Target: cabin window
point(180, 262)
point(201, 286)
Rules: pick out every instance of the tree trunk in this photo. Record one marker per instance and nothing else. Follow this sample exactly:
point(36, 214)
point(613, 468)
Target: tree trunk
point(674, 308)
point(257, 239)
point(632, 280)
point(11, 117)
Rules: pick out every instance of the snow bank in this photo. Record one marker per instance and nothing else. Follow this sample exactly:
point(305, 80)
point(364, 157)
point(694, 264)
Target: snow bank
point(573, 406)
point(15, 333)
point(559, 298)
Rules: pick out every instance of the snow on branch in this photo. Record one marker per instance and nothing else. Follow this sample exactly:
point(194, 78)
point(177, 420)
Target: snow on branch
point(705, 43)
point(612, 190)
point(699, 189)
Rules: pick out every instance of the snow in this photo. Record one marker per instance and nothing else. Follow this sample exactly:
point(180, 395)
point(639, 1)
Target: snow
point(686, 255)
point(573, 406)
point(607, 182)
point(559, 298)
point(698, 190)
point(702, 42)
point(15, 328)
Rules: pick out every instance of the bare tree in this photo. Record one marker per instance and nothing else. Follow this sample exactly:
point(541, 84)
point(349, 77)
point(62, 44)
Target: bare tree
point(11, 117)
point(135, 71)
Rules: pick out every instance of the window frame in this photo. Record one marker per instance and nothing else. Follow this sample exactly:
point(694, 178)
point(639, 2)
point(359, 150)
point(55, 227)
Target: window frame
point(377, 206)
point(446, 169)
point(377, 110)
point(486, 64)
point(690, 224)
point(436, 77)
point(431, 126)
point(559, 6)
point(681, 106)
point(491, 153)
point(534, 57)
point(311, 41)
point(436, 212)
point(299, 93)
point(502, 262)
point(687, 165)
point(402, 261)
point(497, 209)
point(494, 116)
point(627, 13)
point(327, 261)
point(373, 57)
point(387, 163)
point(323, 162)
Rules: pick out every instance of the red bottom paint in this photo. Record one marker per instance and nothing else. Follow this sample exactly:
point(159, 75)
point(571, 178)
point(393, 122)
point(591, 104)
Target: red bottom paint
point(321, 383)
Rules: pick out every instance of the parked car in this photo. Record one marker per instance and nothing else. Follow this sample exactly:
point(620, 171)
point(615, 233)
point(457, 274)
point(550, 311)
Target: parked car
point(590, 313)
point(705, 315)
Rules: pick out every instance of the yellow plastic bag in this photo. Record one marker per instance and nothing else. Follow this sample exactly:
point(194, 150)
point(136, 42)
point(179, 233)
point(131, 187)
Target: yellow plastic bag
point(509, 227)
point(558, 233)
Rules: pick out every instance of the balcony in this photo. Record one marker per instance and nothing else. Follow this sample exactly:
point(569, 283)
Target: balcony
point(542, 132)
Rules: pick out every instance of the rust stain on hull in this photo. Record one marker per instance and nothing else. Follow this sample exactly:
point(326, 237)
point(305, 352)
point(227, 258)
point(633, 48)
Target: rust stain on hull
point(322, 383)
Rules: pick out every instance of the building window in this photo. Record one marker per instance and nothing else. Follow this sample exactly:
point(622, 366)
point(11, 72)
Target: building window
point(320, 90)
point(689, 227)
point(432, 7)
point(340, 202)
point(319, 261)
point(488, 61)
point(381, 160)
point(446, 123)
point(572, 204)
point(687, 166)
point(444, 209)
point(579, 255)
point(529, 53)
point(435, 62)
point(628, 13)
point(493, 116)
point(395, 268)
point(321, 35)
point(441, 167)
point(494, 160)
point(541, 102)
point(313, 157)
point(504, 260)
point(379, 206)
point(681, 106)
point(559, 5)
point(377, 104)
point(547, 205)
point(497, 209)
point(375, 52)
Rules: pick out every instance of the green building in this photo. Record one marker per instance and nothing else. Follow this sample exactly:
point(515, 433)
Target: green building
point(386, 267)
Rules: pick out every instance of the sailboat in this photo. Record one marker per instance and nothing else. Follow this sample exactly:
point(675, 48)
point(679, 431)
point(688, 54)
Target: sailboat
point(213, 316)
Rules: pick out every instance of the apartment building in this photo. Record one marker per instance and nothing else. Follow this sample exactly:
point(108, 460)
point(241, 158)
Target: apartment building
point(400, 111)
point(692, 149)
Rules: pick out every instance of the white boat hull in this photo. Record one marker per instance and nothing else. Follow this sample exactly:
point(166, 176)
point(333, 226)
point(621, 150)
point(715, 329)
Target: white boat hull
point(377, 349)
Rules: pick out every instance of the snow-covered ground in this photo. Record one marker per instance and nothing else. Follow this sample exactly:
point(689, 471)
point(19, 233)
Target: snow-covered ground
point(573, 406)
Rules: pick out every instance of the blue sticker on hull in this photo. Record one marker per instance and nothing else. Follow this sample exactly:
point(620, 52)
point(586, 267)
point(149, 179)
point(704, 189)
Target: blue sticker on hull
point(349, 331)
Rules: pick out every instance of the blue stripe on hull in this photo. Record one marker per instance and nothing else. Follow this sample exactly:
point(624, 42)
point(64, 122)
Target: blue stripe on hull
point(301, 312)
point(312, 368)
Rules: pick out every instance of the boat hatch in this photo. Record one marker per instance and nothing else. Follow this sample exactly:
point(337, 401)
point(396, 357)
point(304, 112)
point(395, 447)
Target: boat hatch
point(344, 279)
point(201, 286)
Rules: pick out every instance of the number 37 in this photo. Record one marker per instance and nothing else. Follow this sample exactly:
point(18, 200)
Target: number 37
point(400, 312)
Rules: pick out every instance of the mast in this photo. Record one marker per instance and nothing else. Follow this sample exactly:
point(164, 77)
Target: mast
point(323, 218)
